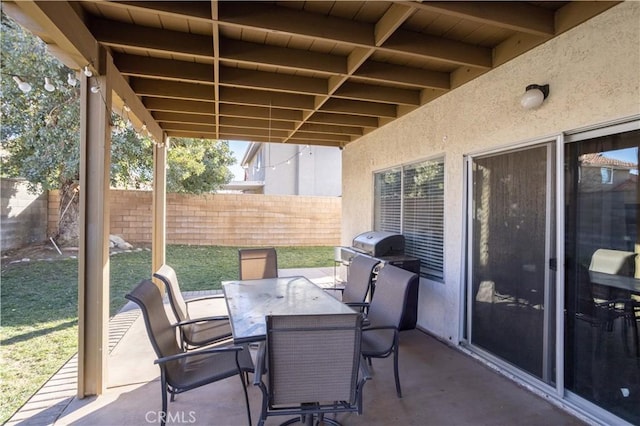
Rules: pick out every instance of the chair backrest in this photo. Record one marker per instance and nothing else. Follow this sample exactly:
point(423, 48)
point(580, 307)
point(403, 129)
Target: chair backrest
point(359, 277)
point(258, 263)
point(313, 358)
point(161, 333)
point(387, 305)
point(168, 276)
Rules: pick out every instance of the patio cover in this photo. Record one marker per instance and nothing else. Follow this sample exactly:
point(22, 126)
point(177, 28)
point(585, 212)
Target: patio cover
point(304, 72)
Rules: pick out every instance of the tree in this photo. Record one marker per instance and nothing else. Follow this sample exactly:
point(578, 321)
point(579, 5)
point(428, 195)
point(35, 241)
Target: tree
point(40, 135)
point(196, 166)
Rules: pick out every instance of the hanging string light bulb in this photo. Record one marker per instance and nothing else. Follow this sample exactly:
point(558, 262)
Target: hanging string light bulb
point(87, 71)
point(71, 80)
point(48, 86)
point(22, 85)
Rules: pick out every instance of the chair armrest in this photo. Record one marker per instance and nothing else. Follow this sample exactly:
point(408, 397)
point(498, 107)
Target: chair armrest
point(199, 299)
point(260, 364)
point(380, 327)
point(197, 320)
point(358, 304)
point(181, 355)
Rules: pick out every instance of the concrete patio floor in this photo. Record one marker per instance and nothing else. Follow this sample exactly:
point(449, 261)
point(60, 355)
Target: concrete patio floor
point(441, 386)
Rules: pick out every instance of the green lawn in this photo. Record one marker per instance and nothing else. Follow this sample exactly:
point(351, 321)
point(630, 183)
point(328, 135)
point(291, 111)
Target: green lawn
point(39, 313)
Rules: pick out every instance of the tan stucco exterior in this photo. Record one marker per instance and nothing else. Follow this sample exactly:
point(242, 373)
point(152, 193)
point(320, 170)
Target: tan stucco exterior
point(594, 75)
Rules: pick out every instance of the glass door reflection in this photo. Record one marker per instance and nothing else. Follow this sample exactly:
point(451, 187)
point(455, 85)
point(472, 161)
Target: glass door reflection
point(602, 351)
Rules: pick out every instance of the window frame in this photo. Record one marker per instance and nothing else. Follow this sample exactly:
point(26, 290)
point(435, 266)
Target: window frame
point(431, 262)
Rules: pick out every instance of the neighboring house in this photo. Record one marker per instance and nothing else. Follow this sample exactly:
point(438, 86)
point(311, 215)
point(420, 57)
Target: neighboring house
point(282, 169)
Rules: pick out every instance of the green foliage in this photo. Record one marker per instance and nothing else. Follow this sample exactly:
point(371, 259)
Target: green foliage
point(41, 130)
point(39, 312)
point(197, 166)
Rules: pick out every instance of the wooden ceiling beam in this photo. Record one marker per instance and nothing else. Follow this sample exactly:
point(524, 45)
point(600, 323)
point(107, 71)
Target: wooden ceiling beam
point(384, 94)
point(179, 105)
point(269, 18)
point(231, 110)
point(166, 69)
point(329, 128)
point(196, 10)
point(265, 98)
point(119, 34)
point(237, 77)
point(413, 77)
point(516, 16)
point(256, 123)
point(172, 89)
point(175, 117)
point(321, 136)
point(437, 48)
point(344, 120)
point(253, 53)
point(346, 106)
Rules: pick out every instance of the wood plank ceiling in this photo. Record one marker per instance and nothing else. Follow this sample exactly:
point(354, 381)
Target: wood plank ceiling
point(310, 72)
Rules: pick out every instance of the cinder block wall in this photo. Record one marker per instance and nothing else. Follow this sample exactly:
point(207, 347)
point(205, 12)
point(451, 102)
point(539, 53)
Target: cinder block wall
point(23, 215)
point(226, 219)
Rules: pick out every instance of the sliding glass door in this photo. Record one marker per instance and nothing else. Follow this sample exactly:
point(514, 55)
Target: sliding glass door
point(602, 349)
point(511, 230)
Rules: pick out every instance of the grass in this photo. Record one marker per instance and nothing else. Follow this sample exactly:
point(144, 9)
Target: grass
point(39, 313)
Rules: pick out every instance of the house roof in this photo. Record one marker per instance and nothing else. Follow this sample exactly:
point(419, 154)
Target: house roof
point(302, 72)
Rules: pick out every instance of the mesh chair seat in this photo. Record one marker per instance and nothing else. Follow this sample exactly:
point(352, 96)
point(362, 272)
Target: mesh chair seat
point(194, 332)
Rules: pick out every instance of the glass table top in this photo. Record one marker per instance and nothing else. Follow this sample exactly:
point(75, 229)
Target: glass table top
point(250, 301)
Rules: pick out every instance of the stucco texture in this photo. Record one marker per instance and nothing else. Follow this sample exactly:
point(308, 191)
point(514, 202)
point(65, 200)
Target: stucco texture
point(594, 77)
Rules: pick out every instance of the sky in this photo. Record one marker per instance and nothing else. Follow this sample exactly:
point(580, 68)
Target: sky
point(238, 148)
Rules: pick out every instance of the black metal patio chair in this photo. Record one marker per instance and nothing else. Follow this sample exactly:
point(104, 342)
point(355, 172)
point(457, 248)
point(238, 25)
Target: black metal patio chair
point(358, 286)
point(182, 371)
point(380, 338)
point(303, 380)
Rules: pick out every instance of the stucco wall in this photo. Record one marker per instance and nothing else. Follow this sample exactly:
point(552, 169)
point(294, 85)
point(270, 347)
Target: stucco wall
point(594, 77)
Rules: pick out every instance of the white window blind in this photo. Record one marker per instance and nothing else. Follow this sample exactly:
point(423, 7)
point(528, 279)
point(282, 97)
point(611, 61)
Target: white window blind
point(410, 201)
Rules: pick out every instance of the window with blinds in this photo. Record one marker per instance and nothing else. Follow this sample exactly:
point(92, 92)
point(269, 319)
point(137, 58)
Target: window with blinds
point(410, 200)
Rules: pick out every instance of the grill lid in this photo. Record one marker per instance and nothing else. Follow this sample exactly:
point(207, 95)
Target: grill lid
point(379, 243)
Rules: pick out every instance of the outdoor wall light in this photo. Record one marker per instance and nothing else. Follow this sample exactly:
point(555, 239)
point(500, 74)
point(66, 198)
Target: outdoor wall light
point(22, 85)
point(48, 86)
point(534, 95)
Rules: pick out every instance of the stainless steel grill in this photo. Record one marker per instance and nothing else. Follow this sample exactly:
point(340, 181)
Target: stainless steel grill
point(379, 243)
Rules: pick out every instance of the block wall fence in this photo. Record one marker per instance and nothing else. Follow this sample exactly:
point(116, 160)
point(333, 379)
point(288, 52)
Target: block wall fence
point(224, 219)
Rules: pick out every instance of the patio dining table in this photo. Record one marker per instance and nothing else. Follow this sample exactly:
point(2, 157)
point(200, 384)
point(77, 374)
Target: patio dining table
point(250, 301)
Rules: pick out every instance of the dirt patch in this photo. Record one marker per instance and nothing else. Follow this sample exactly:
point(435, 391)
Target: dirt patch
point(44, 251)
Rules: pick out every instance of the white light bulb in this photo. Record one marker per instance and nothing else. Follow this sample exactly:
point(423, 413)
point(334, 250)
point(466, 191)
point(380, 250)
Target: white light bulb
point(48, 86)
point(71, 80)
point(95, 89)
point(22, 85)
point(87, 71)
point(126, 108)
point(532, 98)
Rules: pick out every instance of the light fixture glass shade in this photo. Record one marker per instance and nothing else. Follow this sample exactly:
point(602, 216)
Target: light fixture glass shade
point(48, 86)
point(532, 98)
point(22, 85)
